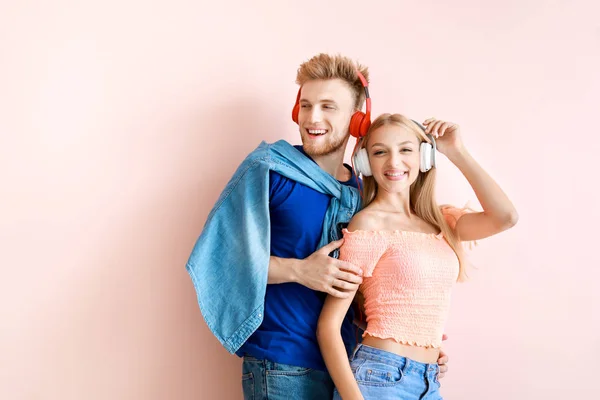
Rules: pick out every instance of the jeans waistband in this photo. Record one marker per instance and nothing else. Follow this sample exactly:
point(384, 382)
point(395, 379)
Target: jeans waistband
point(405, 364)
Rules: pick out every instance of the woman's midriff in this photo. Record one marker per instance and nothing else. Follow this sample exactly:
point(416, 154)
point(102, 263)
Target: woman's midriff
point(427, 355)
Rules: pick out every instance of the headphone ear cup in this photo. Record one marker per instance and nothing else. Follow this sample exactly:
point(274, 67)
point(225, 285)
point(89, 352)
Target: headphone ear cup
point(296, 109)
point(295, 112)
point(426, 156)
point(356, 123)
point(361, 162)
point(365, 125)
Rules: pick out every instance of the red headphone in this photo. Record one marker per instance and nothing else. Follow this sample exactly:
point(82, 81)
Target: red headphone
point(360, 121)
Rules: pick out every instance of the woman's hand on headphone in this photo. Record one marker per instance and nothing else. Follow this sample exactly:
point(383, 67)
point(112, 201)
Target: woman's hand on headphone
point(447, 135)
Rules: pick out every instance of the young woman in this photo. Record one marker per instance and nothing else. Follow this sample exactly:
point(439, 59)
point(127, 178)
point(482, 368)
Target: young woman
point(409, 250)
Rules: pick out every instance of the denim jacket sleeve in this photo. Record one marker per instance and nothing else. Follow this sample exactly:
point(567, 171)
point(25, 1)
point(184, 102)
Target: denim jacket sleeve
point(230, 260)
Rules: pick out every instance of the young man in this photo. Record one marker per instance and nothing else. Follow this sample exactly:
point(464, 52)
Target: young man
point(261, 267)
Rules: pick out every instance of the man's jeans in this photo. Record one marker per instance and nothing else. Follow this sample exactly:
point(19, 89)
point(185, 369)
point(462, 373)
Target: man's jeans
point(263, 379)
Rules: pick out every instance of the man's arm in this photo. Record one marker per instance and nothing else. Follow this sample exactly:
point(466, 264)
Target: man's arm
point(318, 272)
point(443, 361)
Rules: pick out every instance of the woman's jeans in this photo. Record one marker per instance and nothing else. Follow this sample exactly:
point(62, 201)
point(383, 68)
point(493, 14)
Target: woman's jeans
point(382, 375)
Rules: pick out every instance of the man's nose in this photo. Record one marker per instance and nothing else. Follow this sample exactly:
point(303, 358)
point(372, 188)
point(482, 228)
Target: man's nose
point(316, 115)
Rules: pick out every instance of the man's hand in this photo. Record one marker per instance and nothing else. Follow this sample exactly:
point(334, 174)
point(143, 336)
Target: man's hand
point(443, 361)
point(327, 274)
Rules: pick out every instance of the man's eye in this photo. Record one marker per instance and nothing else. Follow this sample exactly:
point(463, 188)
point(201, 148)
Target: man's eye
point(305, 106)
point(329, 107)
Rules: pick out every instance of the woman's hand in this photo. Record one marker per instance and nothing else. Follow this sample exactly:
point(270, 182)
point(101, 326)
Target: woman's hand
point(499, 214)
point(447, 135)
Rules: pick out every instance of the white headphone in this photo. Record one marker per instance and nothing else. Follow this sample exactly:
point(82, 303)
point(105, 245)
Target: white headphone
point(427, 154)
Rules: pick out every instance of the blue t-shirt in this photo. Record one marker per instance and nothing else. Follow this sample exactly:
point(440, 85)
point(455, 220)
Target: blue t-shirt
point(287, 334)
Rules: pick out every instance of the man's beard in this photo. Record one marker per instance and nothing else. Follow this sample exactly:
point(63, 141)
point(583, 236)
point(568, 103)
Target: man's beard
point(329, 147)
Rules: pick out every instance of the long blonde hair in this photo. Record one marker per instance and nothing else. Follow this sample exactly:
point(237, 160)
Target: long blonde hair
point(422, 191)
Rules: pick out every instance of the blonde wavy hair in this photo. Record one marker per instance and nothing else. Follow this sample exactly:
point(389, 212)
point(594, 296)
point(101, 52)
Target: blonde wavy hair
point(422, 191)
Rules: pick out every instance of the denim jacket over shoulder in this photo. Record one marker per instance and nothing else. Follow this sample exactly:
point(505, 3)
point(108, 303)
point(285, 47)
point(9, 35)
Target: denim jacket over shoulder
point(230, 260)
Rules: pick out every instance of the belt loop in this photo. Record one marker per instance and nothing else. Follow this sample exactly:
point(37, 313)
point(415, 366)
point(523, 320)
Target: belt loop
point(406, 366)
point(431, 373)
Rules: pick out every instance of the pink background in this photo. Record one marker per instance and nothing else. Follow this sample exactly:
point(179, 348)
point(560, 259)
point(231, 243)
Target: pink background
point(121, 121)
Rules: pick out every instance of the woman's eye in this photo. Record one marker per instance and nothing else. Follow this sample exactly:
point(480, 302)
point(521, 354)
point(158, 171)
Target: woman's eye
point(305, 106)
point(406, 150)
point(378, 153)
point(329, 107)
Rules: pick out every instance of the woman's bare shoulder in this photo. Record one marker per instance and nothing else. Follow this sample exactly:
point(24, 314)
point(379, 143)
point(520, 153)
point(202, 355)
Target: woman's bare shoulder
point(367, 220)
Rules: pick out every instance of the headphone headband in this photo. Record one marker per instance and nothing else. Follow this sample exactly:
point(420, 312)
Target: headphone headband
point(365, 84)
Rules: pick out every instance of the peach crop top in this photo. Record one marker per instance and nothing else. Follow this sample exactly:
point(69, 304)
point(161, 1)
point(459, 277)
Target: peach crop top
point(407, 281)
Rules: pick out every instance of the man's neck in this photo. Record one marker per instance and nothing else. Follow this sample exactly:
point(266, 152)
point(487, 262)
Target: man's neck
point(333, 164)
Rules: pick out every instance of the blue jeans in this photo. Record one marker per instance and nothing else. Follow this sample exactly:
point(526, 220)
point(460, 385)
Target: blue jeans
point(263, 379)
point(383, 375)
